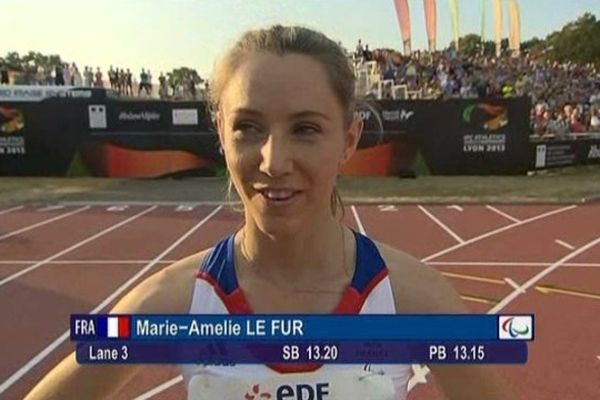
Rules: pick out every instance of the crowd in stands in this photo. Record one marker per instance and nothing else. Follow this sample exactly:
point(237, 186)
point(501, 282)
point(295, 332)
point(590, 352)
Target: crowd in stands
point(119, 79)
point(565, 96)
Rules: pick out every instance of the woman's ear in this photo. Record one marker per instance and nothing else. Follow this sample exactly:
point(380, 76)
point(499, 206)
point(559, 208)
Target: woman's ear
point(353, 135)
point(219, 123)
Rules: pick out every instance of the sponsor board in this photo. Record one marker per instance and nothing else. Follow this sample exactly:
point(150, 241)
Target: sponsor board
point(187, 116)
point(97, 116)
point(594, 153)
point(12, 122)
point(147, 116)
point(38, 93)
point(484, 143)
point(397, 115)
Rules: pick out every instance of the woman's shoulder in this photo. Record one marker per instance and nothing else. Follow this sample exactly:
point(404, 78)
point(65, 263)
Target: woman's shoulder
point(168, 291)
point(418, 288)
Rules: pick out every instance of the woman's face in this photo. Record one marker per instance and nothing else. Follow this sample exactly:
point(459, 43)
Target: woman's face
point(284, 139)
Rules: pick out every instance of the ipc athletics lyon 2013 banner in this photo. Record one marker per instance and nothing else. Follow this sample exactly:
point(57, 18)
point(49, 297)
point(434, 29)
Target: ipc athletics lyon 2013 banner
point(403, 13)
point(430, 22)
point(514, 33)
point(454, 15)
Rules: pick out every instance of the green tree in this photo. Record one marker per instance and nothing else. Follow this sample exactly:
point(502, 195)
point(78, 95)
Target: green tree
point(181, 75)
point(578, 41)
point(470, 45)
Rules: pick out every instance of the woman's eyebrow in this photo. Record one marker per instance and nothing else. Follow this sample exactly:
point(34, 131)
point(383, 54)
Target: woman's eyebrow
point(299, 114)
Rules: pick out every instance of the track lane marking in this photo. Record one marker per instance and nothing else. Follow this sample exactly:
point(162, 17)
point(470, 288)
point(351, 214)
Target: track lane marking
point(512, 283)
point(73, 247)
point(441, 224)
point(564, 244)
point(361, 228)
point(479, 299)
point(44, 222)
point(474, 278)
point(8, 210)
point(497, 231)
point(546, 289)
point(58, 341)
point(502, 213)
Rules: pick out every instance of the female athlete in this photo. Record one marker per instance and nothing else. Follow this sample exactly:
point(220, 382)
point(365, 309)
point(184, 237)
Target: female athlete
point(283, 99)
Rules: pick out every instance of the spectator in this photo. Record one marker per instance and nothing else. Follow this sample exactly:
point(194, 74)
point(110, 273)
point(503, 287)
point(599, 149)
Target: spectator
point(3, 73)
point(59, 78)
point(98, 79)
point(163, 89)
point(129, 81)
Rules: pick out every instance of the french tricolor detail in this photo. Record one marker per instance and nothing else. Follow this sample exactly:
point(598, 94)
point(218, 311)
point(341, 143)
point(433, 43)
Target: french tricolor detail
point(116, 327)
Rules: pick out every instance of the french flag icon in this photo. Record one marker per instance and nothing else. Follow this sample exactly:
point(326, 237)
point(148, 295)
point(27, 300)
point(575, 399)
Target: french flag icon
point(116, 327)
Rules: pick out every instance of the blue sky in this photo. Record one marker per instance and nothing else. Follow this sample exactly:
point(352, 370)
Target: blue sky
point(162, 34)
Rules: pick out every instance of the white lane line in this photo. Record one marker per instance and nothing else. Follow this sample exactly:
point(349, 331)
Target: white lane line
point(51, 208)
point(151, 203)
point(416, 374)
point(508, 299)
point(75, 246)
point(41, 355)
point(159, 388)
point(564, 244)
point(85, 262)
point(442, 263)
point(441, 224)
point(519, 290)
point(361, 228)
point(455, 207)
point(507, 264)
point(11, 210)
point(496, 231)
point(513, 284)
point(502, 213)
point(44, 222)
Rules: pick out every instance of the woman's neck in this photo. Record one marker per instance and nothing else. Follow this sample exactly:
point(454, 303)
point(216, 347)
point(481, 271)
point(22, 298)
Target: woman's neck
point(313, 250)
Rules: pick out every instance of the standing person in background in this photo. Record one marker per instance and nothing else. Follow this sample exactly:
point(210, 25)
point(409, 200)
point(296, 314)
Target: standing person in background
point(162, 86)
point(121, 80)
point(98, 79)
point(59, 78)
point(143, 78)
point(284, 103)
point(112, 77)
point(129, 83)
point(77, 80)
point(87, 77)
point(3, 73)
point(66, 74)
point(149, 83)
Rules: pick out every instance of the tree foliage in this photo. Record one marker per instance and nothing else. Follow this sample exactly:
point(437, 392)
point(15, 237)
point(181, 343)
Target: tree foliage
point(181, 76)
point(25, 62)
point(578, 41)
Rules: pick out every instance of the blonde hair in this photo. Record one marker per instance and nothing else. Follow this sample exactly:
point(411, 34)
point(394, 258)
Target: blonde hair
point(282, 40)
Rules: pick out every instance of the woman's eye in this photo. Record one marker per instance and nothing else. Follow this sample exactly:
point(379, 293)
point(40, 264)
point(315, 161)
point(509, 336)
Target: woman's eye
point(306, 130)
point(246, 129)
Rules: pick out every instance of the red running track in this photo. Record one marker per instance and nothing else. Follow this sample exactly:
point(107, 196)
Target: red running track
point(59, 261)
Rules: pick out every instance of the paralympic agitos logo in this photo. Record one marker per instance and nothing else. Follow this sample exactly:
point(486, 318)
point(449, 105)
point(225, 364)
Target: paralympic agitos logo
point(11, 120)
point(515, 327)
point(489, 116)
